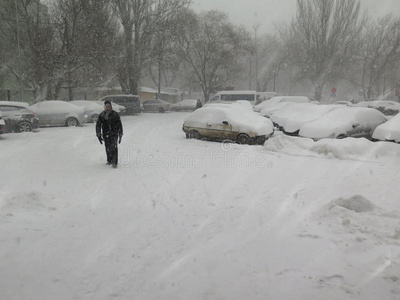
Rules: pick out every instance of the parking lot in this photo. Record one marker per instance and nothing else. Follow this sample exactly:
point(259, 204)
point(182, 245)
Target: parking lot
point(192, 219)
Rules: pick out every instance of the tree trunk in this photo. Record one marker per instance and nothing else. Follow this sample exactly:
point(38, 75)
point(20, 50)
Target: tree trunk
point(129, 59)
point(319, 88)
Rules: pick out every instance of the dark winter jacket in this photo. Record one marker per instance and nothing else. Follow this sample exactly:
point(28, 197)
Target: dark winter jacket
point(109, 123)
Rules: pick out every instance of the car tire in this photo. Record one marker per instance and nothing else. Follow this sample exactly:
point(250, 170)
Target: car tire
point(261, 141)
point(193, 134)
point(161, 110)
point(243, 139)
point(93, 118)
point(24, 127)
point(72, 122)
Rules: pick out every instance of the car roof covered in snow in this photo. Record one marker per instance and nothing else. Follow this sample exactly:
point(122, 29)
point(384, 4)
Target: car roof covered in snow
point(15, 103)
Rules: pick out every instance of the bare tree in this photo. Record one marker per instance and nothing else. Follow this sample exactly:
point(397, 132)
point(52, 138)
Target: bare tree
point(84, 33)
point(380, 53)
point(163, 56)
point(263, 52)
point(27, 31)
point(60, 47)
point(323, 39)
point(212, 46)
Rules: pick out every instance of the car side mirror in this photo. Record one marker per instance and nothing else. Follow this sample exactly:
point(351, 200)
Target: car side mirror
point(356, 125)
point(225, 122)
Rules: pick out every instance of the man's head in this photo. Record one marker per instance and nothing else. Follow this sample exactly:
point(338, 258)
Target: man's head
point(107, 105)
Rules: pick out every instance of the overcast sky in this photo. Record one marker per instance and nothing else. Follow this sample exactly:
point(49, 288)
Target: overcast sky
point(270, 12)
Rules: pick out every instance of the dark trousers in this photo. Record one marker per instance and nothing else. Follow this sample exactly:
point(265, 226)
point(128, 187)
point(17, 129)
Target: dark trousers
point(111, 143)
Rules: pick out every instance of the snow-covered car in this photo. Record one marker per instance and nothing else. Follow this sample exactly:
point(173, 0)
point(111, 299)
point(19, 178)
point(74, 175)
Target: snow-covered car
point(92, 110)
point(291, 117)
point(226, 122)
point(389, 131)
point(343, 102)
point(18, 117)
point(388, 108)
point(187, 105)
point(118, 108)
point(59, 113)
point(344, 122)
point(280, 99)
point(269, 111)
point(2, 124)
point(156, 105)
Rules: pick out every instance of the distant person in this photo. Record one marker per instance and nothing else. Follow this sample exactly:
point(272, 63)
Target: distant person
point(109, 129)
point(198, 104)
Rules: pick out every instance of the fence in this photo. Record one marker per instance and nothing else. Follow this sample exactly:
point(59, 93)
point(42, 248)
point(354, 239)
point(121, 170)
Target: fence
point(16, 95)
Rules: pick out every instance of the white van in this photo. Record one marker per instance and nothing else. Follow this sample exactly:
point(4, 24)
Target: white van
point(252, 96)
point(232, 96)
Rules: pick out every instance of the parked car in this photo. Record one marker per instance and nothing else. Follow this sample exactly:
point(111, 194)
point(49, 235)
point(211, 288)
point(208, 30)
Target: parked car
point(280, 99)
point(240, 104)
point(389, 131)
point(118, 108)
point(156, 105)
point(232, 96)
point(59, 113)
point(388, 108)
point(130, 102)
point(18, 117)
point(2, 124)
point(291, 117)
point(92, 109)
point(228, 123)
point(342, 102)
point(187, 105)
point(270, 110)
point(344, 122)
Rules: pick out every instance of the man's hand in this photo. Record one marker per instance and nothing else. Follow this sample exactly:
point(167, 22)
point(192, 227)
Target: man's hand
point(120, 138)
point(100, 139)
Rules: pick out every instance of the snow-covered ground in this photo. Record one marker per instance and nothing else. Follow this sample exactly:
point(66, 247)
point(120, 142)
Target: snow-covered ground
point(188, 219)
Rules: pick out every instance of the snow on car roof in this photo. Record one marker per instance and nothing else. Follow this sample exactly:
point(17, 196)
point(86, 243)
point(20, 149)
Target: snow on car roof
point(389, 131)
point(270, 110)
point(280, 99)
point(49, 106)
point(14, 103)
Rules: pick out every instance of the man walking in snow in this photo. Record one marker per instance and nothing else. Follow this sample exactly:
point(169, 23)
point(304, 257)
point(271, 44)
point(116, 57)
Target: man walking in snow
point(109, 129)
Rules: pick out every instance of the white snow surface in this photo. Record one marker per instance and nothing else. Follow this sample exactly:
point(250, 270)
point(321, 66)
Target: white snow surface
point(190, 219)
point(389, 131)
